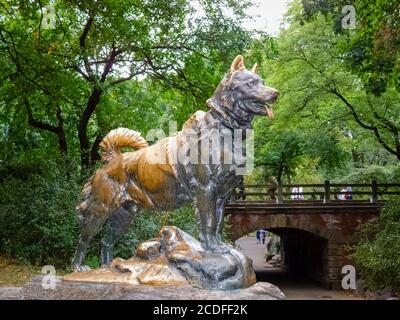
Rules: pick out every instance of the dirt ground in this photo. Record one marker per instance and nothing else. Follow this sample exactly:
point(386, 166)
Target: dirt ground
point(295, 288)
point(15, 273)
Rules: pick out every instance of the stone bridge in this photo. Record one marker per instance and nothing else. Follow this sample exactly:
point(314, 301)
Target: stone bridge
point(315, 233)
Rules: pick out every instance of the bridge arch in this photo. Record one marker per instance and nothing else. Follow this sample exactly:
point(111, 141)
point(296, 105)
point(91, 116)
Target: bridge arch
point(243, 224)
point(304, 243)
point(312, 242)
point(308, 228)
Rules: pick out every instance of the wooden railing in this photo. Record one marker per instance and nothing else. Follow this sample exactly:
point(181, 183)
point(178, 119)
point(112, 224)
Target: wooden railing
point(326, 192)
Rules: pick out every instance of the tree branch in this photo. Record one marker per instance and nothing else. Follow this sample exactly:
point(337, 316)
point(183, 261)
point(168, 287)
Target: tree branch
point(374, 129)
point(352, 109)
point(38, 124)
point(82, 39)
point(58, 130)
point(110, 63)
point(82, 44)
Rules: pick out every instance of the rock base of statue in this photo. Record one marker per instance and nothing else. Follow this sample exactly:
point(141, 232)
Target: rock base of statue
point(73, 290)
point(173, 266)
point(176, 258)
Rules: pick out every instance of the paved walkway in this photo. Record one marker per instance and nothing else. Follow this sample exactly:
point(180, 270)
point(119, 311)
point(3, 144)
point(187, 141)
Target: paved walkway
point(294, 288)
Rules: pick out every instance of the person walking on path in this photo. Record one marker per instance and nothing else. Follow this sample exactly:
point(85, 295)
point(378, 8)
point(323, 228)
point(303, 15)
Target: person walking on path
point(263, 235)
point(258, 234)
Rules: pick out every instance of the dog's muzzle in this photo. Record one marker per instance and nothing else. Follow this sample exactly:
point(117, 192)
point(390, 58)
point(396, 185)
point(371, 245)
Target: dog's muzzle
point(271, 99)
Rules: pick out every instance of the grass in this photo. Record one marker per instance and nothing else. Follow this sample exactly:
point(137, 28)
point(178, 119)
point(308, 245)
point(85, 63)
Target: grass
point(15, 273)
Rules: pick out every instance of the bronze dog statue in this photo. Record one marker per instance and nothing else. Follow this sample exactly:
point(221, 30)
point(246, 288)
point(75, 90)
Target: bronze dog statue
point(151, 178)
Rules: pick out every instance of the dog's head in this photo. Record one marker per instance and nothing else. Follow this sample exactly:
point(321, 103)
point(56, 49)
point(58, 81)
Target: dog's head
point(242, 94)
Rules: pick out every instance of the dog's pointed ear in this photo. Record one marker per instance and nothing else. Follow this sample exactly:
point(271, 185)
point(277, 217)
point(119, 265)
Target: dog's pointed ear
point(237, 64)
point(255, 68)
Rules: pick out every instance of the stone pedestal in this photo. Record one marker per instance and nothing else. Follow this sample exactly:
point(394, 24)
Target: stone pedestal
point(74, 290)
point(176, 258)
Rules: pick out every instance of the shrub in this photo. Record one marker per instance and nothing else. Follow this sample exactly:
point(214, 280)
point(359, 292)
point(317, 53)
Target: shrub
point(37, 220)
point(147, 226)
point(377, 255)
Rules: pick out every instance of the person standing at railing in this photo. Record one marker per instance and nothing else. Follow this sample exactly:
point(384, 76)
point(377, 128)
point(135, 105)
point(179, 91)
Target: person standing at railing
point(346, 194)
point(342, 195)
point(349, 193)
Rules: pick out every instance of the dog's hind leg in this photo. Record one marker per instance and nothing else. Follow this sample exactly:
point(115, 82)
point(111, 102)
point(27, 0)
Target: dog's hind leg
point(117, 226)
point(90, 226)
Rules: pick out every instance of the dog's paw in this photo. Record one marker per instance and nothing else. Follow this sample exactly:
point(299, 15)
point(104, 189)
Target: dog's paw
point(81, 268)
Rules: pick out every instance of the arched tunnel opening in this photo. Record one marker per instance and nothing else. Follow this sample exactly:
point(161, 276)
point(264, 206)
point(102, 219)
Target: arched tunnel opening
point(301, 258)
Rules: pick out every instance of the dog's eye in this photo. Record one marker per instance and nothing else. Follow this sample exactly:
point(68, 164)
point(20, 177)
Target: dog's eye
point(251, 83)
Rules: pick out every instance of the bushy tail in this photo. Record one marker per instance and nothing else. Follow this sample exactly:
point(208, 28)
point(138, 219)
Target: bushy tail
point(119, 138)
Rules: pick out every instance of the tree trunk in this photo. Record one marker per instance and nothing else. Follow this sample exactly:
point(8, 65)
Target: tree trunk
point(93, 101)
point(279, 174)
point(62, 142)
point(94, 154)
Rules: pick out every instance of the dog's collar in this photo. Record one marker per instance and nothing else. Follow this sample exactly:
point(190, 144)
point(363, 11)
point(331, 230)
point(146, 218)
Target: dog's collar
point(230, 122)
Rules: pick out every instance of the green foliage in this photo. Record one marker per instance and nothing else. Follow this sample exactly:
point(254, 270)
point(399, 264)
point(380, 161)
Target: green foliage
point(37, 217)
point(327, 122)
point(372, 49)
point(378, 253)
point(281, 151)
point(61, 82)
point(383, 174)
point(147, 226)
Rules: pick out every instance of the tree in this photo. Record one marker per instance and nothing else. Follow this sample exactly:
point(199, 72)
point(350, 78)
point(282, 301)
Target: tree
point(61, 74)
point(281, 150)
point(373, 47)
point(313, 75)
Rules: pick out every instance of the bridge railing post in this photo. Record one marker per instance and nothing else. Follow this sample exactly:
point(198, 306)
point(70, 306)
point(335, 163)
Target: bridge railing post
point(234, 195)
point(279, 197)
point(374, 188)
point(327, 191)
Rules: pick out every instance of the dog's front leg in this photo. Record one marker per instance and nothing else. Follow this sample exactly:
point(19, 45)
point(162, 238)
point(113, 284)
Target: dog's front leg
point(220, 208)
point(205, 206)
